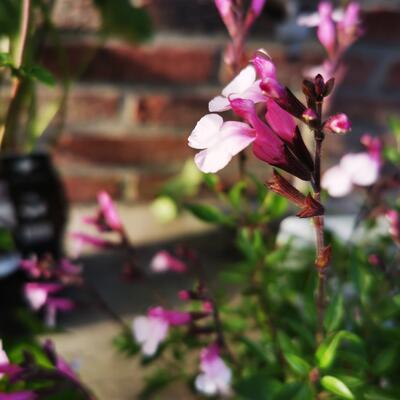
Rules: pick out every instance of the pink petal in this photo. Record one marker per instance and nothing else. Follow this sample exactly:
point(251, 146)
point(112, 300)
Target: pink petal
point(326, 29)
point(164, 261)
point(264, 66)
point(22, 395)
point(109, 211)
point(337, 182)
point(141, 329)
point(206, 132)
point(280, 121)
point(257, 6)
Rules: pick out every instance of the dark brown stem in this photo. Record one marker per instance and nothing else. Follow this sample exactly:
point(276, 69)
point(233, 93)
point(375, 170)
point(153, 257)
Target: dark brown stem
point(319, 227)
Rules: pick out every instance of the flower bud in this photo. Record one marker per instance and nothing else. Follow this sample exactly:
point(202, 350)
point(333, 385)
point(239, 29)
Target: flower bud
point(309, 115)
point(338, 124)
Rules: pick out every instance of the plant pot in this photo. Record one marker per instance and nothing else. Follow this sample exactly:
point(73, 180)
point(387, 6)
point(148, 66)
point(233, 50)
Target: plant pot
point(36, 202)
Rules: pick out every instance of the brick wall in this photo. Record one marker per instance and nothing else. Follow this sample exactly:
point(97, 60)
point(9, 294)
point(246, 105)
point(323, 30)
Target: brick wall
point(133, 106)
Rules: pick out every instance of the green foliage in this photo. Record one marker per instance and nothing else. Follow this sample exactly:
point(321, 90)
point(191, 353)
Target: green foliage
point(208, 213)
point(121, 18)
point(337, 387)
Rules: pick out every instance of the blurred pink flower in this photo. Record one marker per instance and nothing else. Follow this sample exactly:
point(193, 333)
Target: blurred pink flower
point(326, 28)
point(373, 146)
point(109, 211)
point(164, 261)
point(225, 10)
point(32, 267)
point(5, 367)
point(257, 6)
point(151, 330)
point(219, 141)
point(354, 169)
point(349, 27)
point(338, 124)
point(394, 221)
point(37, 294)
point(3, 357)
point(59, 363)
point(244, 86)
point(215, 377)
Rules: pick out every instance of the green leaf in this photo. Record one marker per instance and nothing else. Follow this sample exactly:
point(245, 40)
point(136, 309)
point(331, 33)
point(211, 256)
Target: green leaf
point(255, 349)
point(235, 195)
point(334, 313)
point(385, 360)
point(305, 393)
point(41, 74)
point(275, 205)
point(298, 364)
point(258, 386)
point(326, 352)
point(376, 394)
point(164, 209)
point(286, 344)
point(394, 124)
point(336, 386)
point(121, 18)
point(125, 343)
point(155, 382)
point(208, 213)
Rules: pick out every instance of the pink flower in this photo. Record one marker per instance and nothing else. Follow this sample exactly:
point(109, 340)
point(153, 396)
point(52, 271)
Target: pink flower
point(216, 376)
point(373, 146)
point(339, 124)
point(349, 27)
point(59, 363)
point(326, 28)
point(270, 146)
point(394, 221)
point(83, 239)
point(151, 330)
point(32, 267)
point(219, 141)
point(354, 169)
point(272, 88)
point(37, 294)
point(265, 68)
point(244, 86)
point(165, 261)
point(109, 211)
point(3, 357)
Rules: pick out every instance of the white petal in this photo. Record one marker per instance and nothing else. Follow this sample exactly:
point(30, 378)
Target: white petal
point(212, 160)
point(337, 182)
point(234, 137)
point(361, 167)
point(205, 385)
point(206, 131)
point(242, 82)
point(158, 332)
point(141, 328)
point(219, 104)
point(36, 297)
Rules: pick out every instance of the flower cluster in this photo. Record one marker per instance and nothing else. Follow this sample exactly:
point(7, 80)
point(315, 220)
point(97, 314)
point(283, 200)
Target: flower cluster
point(277, 139)
point(337, 30)
point(50, 278)
point(151, 330)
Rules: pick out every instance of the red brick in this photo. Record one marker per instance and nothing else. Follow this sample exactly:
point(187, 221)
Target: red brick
point(392, 81)
point(382, 25)
point(171, 110)
point(88, 106)
point(85, 188)
point(129, 63)
point(132, 150)
point(149, 185)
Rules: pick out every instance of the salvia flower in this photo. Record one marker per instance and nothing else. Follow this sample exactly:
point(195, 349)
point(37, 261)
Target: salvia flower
point(394, 224)
point(349, 27)
point(215, 377)
point(164, 261)
point(21, 395)
point(337, 124)
point(244, 86)
point(109, 211)
point(3, 357)
point(151, 330)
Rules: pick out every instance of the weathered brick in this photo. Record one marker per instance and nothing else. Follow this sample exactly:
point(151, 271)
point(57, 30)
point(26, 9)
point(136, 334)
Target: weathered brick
point(88, 106)
point(85, 188)
point(123, 150)
point(119, 62)
point(172, 110)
